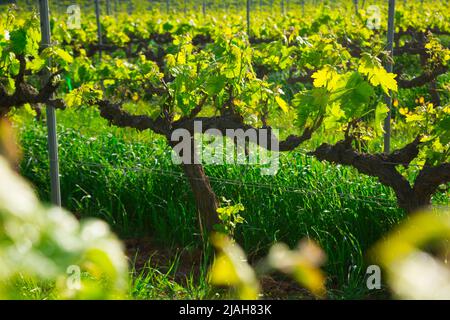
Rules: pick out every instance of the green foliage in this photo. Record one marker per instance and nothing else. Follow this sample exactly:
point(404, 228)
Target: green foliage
point(229, 217)
point(83, 95)
point(25, 38)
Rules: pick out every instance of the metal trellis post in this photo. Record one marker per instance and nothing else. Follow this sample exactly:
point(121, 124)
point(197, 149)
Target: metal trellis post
point(108, 8)
point(99, 29)
point(389, 68)
point(248, 17)
point(51, 116)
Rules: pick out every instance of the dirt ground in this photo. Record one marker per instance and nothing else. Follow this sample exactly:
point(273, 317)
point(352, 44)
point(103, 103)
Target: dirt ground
point(145, 252)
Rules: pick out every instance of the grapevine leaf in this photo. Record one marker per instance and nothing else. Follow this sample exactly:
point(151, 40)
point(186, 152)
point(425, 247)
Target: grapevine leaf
point(282, 104)
point(381, 112)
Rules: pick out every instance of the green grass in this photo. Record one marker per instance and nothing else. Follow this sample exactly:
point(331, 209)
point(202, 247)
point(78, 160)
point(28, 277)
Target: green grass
point(128, 179)
point(152, 283)
point(149, 283)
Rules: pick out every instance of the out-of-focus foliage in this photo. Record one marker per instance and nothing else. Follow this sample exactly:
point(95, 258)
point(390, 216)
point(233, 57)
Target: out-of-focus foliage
point(415, 256)
point(47, 244)
point(231, 268)
point(302, 264)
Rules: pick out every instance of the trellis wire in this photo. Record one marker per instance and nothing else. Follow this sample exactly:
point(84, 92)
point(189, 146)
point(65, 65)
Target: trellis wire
point(180, 176)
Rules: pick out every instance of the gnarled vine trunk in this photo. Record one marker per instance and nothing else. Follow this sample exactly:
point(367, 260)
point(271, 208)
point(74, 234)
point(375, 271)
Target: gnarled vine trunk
point(411, 201)
point(205, 198)
point(384, 167)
